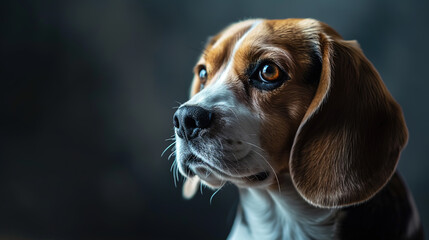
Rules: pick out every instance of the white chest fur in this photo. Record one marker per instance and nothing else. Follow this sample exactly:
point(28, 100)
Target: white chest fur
point(265, 214)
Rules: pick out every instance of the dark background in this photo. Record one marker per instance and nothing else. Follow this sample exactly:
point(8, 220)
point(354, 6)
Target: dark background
point(87, 90)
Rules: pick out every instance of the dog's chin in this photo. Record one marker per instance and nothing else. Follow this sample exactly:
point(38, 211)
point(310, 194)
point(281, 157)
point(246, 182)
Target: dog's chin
point(215, 178)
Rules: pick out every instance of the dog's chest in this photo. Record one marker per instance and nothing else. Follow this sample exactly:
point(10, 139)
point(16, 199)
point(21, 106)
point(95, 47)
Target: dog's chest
point(263, 215)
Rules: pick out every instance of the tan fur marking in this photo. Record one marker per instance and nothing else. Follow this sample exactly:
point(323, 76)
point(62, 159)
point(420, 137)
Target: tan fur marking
point(218, 51)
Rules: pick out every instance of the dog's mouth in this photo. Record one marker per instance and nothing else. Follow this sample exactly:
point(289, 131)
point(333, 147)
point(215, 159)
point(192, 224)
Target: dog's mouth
point(259, 177)
point(216, 178)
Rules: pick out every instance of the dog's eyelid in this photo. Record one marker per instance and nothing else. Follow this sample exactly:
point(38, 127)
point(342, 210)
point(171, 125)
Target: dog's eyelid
point(254, 68)
point(258, 64)
point(258, 81)
point(198, 68)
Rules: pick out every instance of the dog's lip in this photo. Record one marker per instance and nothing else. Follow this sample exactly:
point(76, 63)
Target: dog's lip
point(259, 177)
point(215, 175)
point(210, 174)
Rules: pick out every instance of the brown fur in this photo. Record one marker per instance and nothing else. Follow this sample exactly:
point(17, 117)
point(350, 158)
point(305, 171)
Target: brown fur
point(217, 52)
point(349, 142)
point(340, 139)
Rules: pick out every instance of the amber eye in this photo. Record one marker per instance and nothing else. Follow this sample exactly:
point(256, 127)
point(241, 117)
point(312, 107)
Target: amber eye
point(267, 76)
point(270, 72)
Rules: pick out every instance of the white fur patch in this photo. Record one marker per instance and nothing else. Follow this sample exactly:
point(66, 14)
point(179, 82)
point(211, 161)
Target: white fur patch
point(285, 215)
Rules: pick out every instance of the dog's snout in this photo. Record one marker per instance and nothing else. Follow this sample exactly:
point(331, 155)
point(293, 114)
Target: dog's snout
point(189, 120)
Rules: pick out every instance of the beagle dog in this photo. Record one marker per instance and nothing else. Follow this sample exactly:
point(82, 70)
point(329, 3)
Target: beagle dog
point(300, 121)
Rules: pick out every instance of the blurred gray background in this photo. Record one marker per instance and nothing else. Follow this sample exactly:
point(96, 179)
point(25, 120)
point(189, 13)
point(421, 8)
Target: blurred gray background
point(87, 90)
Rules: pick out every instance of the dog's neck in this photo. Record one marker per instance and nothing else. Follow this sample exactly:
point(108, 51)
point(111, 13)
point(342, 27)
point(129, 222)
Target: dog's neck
point(274, 214)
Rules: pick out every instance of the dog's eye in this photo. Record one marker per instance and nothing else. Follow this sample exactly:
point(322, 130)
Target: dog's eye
point(203, 74)
point(267, 76)
point(269, 72)
point(203, 77)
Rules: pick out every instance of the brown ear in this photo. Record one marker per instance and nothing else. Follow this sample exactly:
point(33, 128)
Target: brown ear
point(348, 143)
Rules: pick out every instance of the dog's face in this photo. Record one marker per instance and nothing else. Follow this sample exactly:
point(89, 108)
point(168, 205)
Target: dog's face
point(263, 102)
point(255, 87)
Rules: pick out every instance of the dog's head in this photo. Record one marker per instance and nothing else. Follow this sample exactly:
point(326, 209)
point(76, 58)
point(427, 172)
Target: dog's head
point(289, 96)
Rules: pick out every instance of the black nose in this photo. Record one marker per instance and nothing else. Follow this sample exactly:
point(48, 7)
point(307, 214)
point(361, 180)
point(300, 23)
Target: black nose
point(189, 120)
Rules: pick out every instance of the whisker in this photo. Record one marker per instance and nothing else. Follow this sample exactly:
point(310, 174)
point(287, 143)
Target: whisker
point(165, 150)
point(172, 166)
point(169, 156)
point(177, 171)
point(229, 108)
point(211, 198)
point(175, 177)
point(256, 146)
point(220, 143)
point(235, 157)
point(274, 172)
point(173, 170)
point(208, 174)
point(186, 137)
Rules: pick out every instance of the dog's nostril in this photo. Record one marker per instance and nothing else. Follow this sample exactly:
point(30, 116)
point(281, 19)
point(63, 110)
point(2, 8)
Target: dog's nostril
point(204, 119)
point(176, 122)
point(190, 122)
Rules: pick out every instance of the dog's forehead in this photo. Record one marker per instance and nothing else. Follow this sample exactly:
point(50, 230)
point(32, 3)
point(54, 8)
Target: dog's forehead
point(219, 47)
point(275, 32)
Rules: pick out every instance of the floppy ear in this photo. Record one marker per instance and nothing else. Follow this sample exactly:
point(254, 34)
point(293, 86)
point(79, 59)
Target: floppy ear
point(348, 143)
